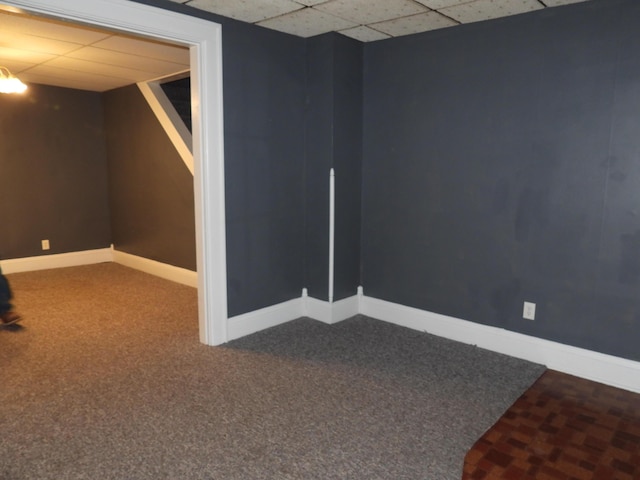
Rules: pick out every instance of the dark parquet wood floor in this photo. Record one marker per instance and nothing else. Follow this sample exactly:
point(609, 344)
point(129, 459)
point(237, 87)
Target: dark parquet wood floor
point(562, 428)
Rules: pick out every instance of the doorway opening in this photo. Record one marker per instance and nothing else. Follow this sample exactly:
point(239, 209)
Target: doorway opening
point(204, 41)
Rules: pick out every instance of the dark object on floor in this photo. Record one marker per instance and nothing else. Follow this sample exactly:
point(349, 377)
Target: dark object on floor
point(7, 315)
point(563, 427)
point(9, 318)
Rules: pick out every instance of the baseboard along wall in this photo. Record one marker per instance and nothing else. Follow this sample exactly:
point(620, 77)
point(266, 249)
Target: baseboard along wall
point(598, 367)
point(159, 269)
point(102, 255)
point(57, 260)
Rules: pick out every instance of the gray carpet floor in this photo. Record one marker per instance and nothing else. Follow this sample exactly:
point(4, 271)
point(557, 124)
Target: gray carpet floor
point(106, 379)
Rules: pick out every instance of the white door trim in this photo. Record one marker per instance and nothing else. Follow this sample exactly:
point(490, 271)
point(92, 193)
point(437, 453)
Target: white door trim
point(205, 41)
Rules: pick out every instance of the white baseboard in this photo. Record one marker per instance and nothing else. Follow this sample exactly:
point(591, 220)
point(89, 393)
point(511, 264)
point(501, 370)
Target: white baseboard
point(267, 317)
point(102, 255)
point(606, 369)
point(152, 267)
point(57, 260)
point(602, 368)
point(284, 312)
point(329, 312)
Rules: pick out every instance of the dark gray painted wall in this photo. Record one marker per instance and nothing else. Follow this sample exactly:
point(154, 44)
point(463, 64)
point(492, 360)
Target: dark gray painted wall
point(333, 140)
point(284, 98)
point(347, 162)
point(502, 164)
point(264, 94)
point(179, 94)
point(53, 172)
point(319, 160)
point(150, 187)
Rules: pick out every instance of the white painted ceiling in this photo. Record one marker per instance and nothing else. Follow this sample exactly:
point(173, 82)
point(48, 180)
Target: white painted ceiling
point(39, 50)
point(45, 51)
point(367, 20)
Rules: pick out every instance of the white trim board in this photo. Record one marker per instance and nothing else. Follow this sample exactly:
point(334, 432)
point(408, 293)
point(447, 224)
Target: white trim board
point(57, 260)
point(607, 369)
point(264, 318)
point(102, 255)
point(329, 312)
point(284, 312)
point(158, 269)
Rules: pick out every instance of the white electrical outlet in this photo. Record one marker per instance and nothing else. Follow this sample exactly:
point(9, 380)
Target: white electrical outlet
point(45, 245)
point(529, 311)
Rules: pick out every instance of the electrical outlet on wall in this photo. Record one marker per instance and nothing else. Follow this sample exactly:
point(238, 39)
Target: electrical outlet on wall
point(529, 311)
point(45, 245)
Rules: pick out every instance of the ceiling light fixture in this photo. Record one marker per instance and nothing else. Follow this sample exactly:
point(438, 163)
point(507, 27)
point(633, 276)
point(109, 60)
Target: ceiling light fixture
point(9, 83)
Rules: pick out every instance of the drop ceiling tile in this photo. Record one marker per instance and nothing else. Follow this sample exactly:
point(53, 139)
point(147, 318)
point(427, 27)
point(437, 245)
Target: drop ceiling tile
point(49, 29)
point(414, 24)
point(370, 11)
point(93, 84)
point(364, 34)
point(8, 54)
point(144, 48)
point(68, 33)
point(83, 66)
point(49, 75)
point(307, 23)
point(32, 47)
point(310, 3)
point(117, 60)
point(438, 4)
point(250, 11)
point(33, 44)
point(479, 10)
point(16, 67)
point(557, 3)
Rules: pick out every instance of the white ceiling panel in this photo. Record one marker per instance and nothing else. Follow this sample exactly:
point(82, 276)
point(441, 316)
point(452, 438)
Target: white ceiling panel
point(438, 4)
point(414, 24)
point(479, 10)
point(371, 11)
point(42, 50)
point(247, 10)
point(557, 3)
point(113, 59)
point(310, 3)
point(307, 23)
point(364, 34)
point(97, 68)
point(23, 25)
point(9, 55)
point(31, 43)
point(63, 77)
point(150, 49)
point(37, 48)
point(301, 20)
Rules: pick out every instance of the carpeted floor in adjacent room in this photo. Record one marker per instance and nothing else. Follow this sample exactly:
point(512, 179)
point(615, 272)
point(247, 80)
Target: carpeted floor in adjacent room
point(106, 379)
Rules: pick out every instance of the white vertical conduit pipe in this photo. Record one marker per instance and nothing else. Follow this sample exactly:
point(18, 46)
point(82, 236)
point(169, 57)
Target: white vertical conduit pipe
point(332, 229)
